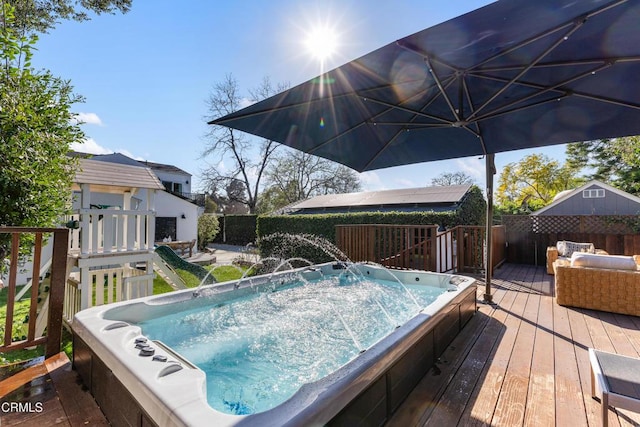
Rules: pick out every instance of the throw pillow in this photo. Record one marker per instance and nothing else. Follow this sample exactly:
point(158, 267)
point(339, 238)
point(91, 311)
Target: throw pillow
point(614, 262)
point(570, 247)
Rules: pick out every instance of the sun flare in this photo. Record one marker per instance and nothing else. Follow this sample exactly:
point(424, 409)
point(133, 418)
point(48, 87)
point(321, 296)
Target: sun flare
point(322, 42)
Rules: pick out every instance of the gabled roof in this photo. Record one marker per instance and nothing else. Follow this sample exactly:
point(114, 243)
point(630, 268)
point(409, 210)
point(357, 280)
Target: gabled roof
point(164, 168)
point(109, 177)
point(126, 160)
point(421, 197)
point(566, 195)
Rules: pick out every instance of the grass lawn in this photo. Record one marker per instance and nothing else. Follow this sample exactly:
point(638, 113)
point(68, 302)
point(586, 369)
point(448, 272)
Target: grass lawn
point(20, 328)
point(222, 273)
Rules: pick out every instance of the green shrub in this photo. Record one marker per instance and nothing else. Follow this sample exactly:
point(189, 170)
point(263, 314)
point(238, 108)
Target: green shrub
point(208, 228)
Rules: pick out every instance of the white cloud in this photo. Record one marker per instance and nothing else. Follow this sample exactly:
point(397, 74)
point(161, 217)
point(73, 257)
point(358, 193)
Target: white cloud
point(90, 146)
point(371, 181)
point(89, 119)
point(406, 183)
point(245, 102)
point(474, 167)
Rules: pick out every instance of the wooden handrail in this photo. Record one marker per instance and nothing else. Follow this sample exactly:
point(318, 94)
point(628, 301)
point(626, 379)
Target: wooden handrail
point(57, 279)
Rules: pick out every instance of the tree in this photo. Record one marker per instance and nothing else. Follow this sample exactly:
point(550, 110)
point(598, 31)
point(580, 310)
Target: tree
point(40, 16)
point(297, 176)
point(210, 205)
point(532, 183)
point(271, 199)
point(452, 178)
point(36, 131)
point(229, 145)
point(208, 228)
point(615, 161)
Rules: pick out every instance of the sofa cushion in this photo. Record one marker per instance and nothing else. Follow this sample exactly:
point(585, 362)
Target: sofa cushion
point(612, 262)
point(566, 248)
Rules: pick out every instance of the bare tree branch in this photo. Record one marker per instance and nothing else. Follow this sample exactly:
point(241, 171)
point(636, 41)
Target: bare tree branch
point(248, 164)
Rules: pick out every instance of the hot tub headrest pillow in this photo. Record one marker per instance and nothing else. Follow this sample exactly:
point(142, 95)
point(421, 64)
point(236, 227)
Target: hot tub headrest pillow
point(611, 262)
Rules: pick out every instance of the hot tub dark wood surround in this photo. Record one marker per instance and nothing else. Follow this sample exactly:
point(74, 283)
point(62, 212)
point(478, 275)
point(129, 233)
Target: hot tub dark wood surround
point(115, 401)
point(379, 401)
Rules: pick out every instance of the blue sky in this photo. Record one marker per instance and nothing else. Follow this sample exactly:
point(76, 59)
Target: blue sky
point(146, 75)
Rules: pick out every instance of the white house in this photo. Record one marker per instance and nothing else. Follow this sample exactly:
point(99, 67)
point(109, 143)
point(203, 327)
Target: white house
point(177, 208)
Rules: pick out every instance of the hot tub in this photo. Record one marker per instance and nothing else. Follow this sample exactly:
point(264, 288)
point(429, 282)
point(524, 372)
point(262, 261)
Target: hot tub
point(145, 361)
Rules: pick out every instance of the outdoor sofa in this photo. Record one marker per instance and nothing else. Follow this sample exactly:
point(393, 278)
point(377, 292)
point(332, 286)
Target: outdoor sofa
point(599, 282)
point(564, 249)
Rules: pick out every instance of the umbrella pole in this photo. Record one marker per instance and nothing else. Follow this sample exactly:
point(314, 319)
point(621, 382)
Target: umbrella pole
point(490, 169)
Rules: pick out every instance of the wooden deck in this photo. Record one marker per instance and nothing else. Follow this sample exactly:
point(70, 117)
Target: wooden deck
point(50, 394)
point(520, 361)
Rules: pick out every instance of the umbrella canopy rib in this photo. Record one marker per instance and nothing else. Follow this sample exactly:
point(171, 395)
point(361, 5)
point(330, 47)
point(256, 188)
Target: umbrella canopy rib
point(455, 111)
point(560, 40)
point(543, 89)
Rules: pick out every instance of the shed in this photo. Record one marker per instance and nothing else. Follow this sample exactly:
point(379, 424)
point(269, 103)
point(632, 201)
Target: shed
point(592, 198)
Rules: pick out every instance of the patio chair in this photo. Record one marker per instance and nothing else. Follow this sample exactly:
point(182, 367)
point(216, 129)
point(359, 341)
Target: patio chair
point(608, 283)
point(615, 380)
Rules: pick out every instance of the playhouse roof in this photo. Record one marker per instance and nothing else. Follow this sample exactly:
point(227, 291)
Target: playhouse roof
point(114, 177)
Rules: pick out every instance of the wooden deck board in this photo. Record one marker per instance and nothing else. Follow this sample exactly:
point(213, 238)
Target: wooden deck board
point(569, 392)
point(540, 409)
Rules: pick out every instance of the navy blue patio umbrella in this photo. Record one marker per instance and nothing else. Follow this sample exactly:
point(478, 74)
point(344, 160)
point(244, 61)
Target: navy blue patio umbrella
point(512, 75)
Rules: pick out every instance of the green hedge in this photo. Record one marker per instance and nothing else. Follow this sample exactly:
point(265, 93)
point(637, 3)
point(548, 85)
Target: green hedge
point(236, 229)
point(471, 212)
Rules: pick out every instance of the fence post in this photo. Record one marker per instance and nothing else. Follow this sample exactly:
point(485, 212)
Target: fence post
point(432, 232)
point(56, 292)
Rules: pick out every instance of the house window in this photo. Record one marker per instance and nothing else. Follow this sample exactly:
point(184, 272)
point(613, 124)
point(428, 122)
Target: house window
point(594, 193)
point(165, 227)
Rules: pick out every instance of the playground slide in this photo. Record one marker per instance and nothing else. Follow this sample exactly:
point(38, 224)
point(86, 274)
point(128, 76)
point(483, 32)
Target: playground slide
point(167, 261)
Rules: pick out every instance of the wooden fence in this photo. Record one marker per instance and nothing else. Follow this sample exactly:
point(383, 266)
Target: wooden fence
point(528, 236)
point(56, 285)
point(421, 247)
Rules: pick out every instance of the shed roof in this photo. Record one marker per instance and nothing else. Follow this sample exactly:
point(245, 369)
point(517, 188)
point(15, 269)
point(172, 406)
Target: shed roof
point(109, 177)
point(417, 197)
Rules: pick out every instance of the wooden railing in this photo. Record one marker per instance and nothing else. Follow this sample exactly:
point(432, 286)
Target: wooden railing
point(106, 286)
point(460, 249)
point(56, 284)
point(394, 246)
point(105, 231)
